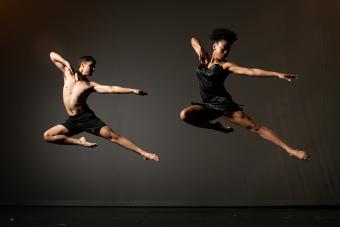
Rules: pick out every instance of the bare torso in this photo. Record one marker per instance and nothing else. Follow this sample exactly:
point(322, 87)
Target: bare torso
point(75, 93)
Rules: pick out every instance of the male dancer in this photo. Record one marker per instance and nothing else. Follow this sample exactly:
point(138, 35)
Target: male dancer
point(77, 87)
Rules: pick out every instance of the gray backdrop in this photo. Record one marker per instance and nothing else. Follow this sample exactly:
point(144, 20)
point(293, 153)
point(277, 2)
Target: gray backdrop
point(146, 45)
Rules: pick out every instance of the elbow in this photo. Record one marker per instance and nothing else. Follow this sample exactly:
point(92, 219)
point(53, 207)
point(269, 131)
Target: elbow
point(52, 55)
point(252, 72)
point(193, 40)
point(113, 90)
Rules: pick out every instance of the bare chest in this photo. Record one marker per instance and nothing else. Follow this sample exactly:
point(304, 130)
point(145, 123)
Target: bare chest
point(76, 88)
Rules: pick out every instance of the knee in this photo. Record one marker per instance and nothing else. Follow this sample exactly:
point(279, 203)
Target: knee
point(47, 136)
point(256, 128)
point(114, 137)
point(184, 115)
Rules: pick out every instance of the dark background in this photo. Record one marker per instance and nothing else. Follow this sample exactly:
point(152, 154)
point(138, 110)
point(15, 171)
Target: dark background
point(146, 45)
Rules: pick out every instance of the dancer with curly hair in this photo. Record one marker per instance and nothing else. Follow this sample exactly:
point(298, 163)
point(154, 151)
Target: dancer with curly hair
point(217, 102)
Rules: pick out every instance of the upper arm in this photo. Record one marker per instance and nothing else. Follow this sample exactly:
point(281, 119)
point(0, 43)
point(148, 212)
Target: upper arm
point(101, 88)
point(238, 69)
point(199, 49)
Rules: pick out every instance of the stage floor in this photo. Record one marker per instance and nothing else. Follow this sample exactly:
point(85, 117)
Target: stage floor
point(210, 217)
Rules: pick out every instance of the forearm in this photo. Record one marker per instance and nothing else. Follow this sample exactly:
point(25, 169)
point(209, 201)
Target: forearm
point(263, 73)
point(202, 54)
point(121, 90)
point(58, 58)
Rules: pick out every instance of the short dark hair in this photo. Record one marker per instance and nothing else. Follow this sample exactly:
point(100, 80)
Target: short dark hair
point(87, 58)
point(223, 34)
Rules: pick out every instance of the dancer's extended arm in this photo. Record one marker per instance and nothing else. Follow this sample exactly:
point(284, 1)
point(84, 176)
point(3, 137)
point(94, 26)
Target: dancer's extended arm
point(257, 72)
point(105, 89)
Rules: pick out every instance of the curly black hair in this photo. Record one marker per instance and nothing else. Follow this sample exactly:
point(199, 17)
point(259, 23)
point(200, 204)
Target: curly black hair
point(223, 34)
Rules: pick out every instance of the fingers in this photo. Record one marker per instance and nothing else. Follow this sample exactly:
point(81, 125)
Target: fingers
point(69, 71)
point(305, 157)
point(291, 77)
point(142, 93)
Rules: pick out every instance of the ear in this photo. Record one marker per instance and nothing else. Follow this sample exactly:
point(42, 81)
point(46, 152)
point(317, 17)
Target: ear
point(214, 46)
point(80, 67)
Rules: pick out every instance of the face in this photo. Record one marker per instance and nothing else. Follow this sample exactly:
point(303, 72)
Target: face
point(86, 68)
point(221, 49)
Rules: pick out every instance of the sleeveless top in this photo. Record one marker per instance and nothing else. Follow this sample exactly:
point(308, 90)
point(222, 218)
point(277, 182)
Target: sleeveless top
point(212, 90)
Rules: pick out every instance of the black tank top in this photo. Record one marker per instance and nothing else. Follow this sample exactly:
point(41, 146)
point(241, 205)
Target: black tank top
point(211, 82)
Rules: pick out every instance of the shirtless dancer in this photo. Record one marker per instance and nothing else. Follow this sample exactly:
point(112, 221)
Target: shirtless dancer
point(77, 87)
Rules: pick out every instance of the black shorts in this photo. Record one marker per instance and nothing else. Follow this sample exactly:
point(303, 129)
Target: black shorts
point(211, 112)
point(86, 121)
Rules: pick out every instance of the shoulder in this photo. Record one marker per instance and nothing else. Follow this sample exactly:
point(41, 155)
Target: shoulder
point(226, 65)
point(93, 84)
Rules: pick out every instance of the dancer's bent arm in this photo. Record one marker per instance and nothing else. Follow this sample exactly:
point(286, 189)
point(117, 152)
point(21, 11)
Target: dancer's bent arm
point(257, 72)
point(104, 89)
point(201, 52)
point(61, 63)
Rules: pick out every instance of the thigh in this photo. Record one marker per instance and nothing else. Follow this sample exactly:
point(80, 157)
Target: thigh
point(193, 108)
point(200, 111)
point(57, 130)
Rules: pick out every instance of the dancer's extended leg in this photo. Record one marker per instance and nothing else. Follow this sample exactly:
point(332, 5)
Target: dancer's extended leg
point(242, 119)
point(107, 133)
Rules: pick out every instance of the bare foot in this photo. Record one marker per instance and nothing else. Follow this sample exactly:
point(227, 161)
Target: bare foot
point(299, 154)
point(85, 143)
point(227, 129)
point(150, 156)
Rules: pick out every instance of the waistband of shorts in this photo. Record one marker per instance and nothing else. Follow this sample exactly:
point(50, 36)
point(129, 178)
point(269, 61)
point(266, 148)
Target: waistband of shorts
point(80, 114)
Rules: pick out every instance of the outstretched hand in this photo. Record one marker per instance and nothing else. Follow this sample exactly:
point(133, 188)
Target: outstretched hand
point(288, 77)
point(139, 92)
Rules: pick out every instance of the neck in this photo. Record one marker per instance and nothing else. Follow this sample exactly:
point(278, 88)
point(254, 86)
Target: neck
point(214, 60)
point(80, 77)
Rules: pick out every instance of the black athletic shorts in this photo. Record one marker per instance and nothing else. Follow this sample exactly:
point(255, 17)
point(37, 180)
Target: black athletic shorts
point(86, 121)
point(211, 112)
